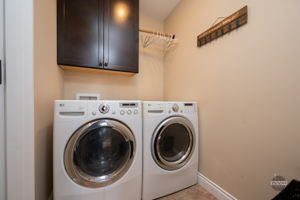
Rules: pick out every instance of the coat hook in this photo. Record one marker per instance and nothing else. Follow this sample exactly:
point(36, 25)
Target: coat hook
point(237, 23)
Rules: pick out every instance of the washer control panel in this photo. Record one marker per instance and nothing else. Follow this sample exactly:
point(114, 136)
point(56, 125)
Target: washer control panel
point(129, 109)
point(114, 108)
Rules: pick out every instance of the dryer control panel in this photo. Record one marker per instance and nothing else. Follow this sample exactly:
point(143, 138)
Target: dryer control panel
point(190, 107)
point(181, 107)
point(152, 108)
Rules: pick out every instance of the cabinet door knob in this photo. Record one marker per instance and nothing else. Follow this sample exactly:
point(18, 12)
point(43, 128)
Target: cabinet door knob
point(105, 64)
point(100, 64)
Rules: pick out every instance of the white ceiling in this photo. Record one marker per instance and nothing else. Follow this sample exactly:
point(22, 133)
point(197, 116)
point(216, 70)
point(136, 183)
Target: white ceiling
point(159, 9)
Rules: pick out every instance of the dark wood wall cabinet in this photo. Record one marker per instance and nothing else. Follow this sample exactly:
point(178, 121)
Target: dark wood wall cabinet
point(98, 34)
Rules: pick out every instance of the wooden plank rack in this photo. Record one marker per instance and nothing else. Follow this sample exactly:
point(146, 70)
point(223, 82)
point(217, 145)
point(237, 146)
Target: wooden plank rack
point(227, 25)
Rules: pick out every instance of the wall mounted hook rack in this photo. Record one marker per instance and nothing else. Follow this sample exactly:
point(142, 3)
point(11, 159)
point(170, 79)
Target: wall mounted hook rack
point(227, 25)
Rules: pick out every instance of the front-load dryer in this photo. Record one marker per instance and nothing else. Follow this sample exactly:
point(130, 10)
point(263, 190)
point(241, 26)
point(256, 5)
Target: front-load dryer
point(170, 159)
point(97, 150)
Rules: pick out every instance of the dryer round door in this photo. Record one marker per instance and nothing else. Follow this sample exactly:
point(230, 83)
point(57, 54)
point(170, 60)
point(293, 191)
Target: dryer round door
point(99, 153)
point(173, 143)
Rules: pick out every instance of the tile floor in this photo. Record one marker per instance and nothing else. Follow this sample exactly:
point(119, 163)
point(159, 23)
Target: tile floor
point(195, 192)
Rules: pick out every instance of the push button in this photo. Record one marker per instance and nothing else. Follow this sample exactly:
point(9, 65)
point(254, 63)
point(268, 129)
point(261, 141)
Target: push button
point(122, 112)
point(129, 112)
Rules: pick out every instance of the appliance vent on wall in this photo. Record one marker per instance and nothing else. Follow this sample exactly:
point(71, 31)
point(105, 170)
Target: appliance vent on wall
point(87, 96)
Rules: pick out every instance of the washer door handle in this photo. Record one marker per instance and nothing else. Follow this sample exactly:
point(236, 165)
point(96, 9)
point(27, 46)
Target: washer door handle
point(131, 148)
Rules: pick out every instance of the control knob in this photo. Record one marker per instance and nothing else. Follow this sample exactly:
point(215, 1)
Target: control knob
point(175, 108)
point(103, 108)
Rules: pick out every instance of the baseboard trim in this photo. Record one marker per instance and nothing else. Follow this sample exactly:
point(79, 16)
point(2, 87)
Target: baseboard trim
point(213, 188)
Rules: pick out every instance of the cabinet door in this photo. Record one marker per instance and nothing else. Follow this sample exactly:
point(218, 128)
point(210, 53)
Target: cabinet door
point(80, 32)
point(121, 35)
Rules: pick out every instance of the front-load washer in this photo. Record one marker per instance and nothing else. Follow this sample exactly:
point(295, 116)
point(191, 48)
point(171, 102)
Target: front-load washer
point(97, 150)
point(170, 160)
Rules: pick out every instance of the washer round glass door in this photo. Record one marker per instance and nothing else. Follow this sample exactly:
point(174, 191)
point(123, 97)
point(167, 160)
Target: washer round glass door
point(173, 143)
point(99, 153)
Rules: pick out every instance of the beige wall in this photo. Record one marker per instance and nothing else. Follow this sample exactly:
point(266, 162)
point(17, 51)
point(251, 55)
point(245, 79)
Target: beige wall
point(48, 87)
point(247, 86)
point(147, 85)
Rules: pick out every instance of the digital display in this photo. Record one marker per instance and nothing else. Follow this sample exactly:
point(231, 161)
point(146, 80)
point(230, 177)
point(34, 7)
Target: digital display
point(128, 105)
